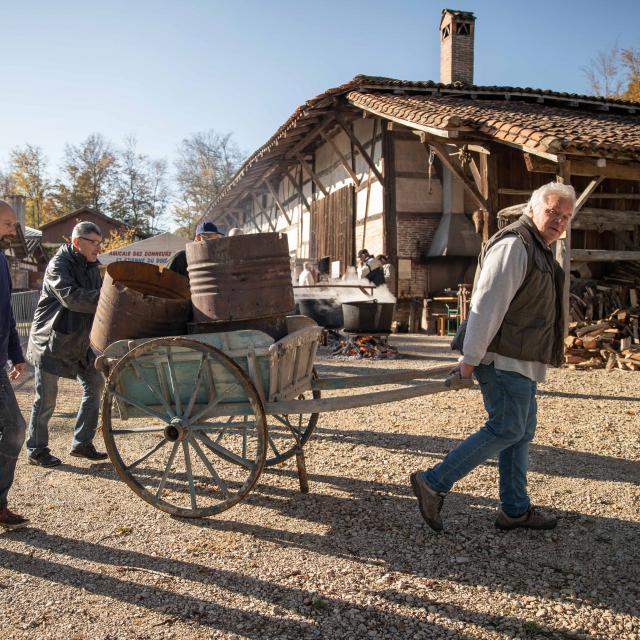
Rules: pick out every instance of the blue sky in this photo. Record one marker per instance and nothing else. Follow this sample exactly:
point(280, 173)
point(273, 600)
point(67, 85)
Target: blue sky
point(163, 70)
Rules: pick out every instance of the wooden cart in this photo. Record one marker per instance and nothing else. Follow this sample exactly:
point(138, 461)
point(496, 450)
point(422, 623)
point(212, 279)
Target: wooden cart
point(190, 422)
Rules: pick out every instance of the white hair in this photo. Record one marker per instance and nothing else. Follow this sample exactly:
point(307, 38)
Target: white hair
point(539, 197)
point(82, 228)
point(236, 232)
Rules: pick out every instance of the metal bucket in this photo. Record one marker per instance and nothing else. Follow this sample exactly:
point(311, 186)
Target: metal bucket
point(140, 300)
point(368, 317)
point(240, 278)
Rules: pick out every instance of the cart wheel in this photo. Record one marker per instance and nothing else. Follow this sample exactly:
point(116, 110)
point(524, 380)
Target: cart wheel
point(194, 443)
point(285, 433)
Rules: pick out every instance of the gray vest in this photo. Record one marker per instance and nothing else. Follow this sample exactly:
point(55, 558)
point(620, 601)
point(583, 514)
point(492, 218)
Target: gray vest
point(533, 327)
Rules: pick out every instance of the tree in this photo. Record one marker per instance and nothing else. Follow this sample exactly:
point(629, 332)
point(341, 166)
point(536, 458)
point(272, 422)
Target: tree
point(615, 74)
point(88, 175)
point(118, 238)
point(141, 193)
point(631, 64)
point(206, 162)
point(28, 178)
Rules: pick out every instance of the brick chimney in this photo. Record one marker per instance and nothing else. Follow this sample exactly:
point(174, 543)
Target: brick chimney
point(456, 46)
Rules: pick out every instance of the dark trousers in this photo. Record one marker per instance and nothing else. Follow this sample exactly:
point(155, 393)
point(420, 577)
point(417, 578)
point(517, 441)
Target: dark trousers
point(12, 430)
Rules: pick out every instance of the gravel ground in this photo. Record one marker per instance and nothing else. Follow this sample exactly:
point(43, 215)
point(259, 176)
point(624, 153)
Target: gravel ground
point(352, 559)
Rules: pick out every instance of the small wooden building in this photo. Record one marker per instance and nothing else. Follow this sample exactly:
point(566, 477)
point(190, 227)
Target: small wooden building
point(58, 231)
point(420, 170)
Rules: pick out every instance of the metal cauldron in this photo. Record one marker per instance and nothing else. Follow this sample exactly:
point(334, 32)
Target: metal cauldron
point(327, 312)
point(368, 316)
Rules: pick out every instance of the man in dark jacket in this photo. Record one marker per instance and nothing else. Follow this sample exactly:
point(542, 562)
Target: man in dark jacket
point(59, 344)
point(12, 424)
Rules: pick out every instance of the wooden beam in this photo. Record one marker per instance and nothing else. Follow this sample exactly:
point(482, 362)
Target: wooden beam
point(615, 196)
point(311, 173)
point(298, 188)
point(584, 167)
point(609, 221)
point(262, 210)
point(343, 160)
point(584, 196)
point(311, 136)
point(361, 149)
point(599, 255)
point(443, 154)
point(276, 199)
point(441, 133)
point(515, 192)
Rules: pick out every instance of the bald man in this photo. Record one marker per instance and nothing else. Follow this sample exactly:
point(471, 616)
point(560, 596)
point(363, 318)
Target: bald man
point(12, 424)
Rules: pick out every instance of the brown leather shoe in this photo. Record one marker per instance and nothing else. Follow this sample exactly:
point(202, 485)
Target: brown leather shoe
point(532, 519)
point(429, 501)
point(10, 520)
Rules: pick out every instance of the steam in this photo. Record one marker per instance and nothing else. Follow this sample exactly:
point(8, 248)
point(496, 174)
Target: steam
point(359, 290)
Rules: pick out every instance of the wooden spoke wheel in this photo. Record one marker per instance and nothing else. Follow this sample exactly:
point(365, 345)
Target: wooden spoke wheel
point(184, 427)
point(286, 433)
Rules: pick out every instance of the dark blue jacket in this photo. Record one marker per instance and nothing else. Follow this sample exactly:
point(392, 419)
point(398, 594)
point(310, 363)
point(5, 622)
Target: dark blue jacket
point(9, 340)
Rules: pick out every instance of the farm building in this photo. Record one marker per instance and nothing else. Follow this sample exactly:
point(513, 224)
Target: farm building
point(419, 171)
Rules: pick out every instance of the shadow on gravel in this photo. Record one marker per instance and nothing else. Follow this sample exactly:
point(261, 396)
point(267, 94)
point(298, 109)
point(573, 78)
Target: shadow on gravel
point(542, 459)
point(160, 597)
point(587, 559)
point(586, 396)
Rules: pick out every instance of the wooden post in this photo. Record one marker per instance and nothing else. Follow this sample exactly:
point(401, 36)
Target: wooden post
point(564, 176)
point(390, 224)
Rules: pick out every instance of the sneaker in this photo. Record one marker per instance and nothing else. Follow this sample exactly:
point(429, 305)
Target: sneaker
point(44, 459)
point(532, 519)
point(88, 451)
point(10, 520)
point(429, 501)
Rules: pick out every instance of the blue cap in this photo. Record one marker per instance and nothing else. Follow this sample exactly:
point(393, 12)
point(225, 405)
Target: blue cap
point(207, 227)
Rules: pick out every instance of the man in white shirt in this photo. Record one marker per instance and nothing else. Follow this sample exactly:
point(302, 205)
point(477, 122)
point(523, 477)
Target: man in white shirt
point(306, 279)
point(514, 332)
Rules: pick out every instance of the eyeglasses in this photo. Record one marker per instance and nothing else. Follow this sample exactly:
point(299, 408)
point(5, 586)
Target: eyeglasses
point(95, 243)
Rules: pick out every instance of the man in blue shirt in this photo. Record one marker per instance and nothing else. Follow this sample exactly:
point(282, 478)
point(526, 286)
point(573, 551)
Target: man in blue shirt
point(12, 424)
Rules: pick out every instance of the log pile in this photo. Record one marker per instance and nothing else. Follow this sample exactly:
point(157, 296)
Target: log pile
point(591, 300)
point(606, 344)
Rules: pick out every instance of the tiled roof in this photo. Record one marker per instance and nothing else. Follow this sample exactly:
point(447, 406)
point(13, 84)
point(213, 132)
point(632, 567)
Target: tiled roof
point(536, 119)
point(535, 126)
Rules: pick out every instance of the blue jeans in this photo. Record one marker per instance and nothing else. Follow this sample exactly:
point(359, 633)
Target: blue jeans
point(12, 428)
point(510, 401)
point(44, 404)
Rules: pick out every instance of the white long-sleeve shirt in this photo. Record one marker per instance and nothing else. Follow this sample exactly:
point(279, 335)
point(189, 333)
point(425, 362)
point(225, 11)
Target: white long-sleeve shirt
point(503, 272)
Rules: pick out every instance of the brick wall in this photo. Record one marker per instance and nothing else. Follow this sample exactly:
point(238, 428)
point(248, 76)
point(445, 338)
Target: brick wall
point(456, 52)
point(415, 233)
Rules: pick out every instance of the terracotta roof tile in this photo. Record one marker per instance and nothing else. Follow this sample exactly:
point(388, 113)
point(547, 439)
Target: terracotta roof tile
point(537, 119)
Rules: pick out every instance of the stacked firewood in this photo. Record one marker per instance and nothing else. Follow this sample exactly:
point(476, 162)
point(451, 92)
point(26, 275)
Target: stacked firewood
point(591, 300)
point(606, 344)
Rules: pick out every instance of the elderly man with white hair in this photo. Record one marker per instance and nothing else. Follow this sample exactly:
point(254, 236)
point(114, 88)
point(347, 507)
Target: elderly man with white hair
point(59, 344)
point(514, 332)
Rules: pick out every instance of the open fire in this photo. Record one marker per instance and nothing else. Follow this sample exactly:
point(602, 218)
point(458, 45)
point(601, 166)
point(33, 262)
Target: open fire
point(375, 347)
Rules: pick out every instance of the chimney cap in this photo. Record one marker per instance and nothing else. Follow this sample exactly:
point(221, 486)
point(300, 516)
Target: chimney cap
point(464, 15)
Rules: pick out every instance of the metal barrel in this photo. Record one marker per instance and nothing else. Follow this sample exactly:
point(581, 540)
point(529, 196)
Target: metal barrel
point(240, 278)
point(140, 300)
